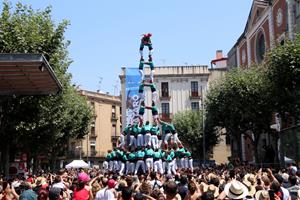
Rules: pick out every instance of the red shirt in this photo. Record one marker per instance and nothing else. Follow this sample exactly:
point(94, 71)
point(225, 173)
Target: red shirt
point(81, 194)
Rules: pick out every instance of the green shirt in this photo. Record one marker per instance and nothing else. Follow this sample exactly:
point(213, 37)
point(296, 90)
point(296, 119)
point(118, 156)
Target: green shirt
point(141, 88)
point(108, 157)
point(157, 155)
point(154, 110)
point(113, 154)
point(141, 65)
point(127, 130)
point(181, 152)
point(172, 153)
point(124, 157)
point(136, 130)
point(154, 130)
point(149, 152)
point(131, 157)
point(169, 158)
point(142, 110)
point(188, 154)
point(166, 126)
point(140, 154)
point(119, 154)
point(152, 87)
point(147, 128)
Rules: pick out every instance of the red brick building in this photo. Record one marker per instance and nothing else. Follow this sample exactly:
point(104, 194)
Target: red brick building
point(270, 23)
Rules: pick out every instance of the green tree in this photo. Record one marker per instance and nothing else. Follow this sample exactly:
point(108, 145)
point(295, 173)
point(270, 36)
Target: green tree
point(189, 125)
point(283, 70)
point(39, 124)
point(241, 102)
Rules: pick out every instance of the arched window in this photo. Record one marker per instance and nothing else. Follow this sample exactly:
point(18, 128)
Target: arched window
point(260, 47)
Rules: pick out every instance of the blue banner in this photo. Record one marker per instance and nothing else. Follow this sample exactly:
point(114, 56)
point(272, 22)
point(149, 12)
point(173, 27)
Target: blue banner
point(133, 79)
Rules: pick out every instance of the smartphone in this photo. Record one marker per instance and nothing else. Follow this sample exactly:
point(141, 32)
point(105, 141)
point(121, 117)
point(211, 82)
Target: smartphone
point(271, 194)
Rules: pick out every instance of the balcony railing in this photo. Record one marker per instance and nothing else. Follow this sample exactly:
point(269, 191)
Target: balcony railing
point(195, 95)
point(114, 138)
point(93, 153)
point(166, 117)
point(93, 135)
point(165, 98)
point(114, 117)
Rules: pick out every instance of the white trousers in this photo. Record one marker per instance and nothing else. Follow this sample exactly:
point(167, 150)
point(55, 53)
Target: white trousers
point(140, 163)
point(116, 166)
point(140, 140)
point(182, 163)
point(105, 165)
point(130, 168)
point(147, 139)
point(154, 96)
point(164, 166)
point(191, 166)
point(158, 166)
point(122, 168)
point(132, 141)
point(142, 74)
point(152, 75)
point(110, 165)
point(122, 141)
point(175, 138)
point(171, 167)
point(154, 141)
point(149, 164)
point(167, 137)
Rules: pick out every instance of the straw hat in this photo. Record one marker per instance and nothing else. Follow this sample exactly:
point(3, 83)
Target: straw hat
point(250, 178)
point(261, 195)
point(235, 190)
point(250, 187)
point(213, 189)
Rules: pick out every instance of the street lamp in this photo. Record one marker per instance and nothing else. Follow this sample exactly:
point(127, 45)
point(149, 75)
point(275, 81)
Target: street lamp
point(79, 147)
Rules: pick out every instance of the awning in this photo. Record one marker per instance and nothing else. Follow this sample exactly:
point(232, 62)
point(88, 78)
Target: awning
point(77, 164)
point(27, 74)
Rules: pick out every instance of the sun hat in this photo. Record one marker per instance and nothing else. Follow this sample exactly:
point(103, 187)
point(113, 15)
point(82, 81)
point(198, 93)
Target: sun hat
point(262, 194)
point(285, 177)
point(235, 190)
point(251, 188)
point(250, 178)
point(111, 183)
point(213, 189)
point(83, 177)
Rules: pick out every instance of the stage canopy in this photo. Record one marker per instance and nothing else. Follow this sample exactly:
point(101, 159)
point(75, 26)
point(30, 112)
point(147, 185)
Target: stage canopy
point(77, 164)
point(27, 74)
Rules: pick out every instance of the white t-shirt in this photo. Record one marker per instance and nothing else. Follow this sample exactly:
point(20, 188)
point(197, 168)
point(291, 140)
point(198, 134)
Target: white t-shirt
point(286, 193)
point(59, 185)
point(105, 194)
point(154, 185)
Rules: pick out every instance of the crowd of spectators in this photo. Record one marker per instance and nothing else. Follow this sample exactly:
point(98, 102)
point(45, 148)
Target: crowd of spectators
point(219, 182)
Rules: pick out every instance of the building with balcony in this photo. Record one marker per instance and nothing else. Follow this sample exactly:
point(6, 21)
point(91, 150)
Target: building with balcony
point(179, 87)
point(104, 130)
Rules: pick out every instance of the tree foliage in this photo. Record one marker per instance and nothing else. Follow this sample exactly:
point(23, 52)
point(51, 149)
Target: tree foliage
point(189, 125)
point(39, 124)
point(283, 70)
point(241, 102)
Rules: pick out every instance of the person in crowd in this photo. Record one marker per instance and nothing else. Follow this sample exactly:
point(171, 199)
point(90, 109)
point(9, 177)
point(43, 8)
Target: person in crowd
point(108, 192)
point(82, 191)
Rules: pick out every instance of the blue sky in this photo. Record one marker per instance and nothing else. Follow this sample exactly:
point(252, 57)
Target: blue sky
point(105, 34)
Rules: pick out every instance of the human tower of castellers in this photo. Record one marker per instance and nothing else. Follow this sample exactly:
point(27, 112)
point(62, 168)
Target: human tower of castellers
point(144, 147)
